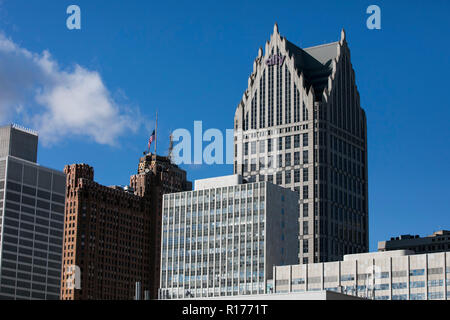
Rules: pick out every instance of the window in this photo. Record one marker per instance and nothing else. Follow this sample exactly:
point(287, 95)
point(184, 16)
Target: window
point(269, 145)
point(296, 158)
point(297, 281)
point(262, 101)
point(305, 139)
point(400, 297)
point(296, 176)
point(305, 209)
point(270, 162)
point(287, 142)
point(305, 156)
point(382, 275)
point(435, 271)
point(305, 245)
point(305, 174)
point(347, 277)
point(417, 272)
point(287, 160)
point(436, 283)
point(399, 285)
point(246, 149)
point(280, 143)
point(305, 228)
point(435, 295)
point(382, 286)
point(287, 177)
point(262, 146)
point(305, 113)
point(279, 178)
point(417, 284)
point(261, 163)
point(297, 141)
point(253, 147)
point(417, 296)
point(305, 192)
point(253, 164)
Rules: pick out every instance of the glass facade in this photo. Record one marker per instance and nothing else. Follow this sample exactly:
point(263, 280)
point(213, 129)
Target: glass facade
point(31, 224)
point(214, 241)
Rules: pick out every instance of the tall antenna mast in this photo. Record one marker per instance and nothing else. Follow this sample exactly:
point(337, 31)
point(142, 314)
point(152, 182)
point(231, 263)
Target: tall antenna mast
point(156, 132)
point(170, 147)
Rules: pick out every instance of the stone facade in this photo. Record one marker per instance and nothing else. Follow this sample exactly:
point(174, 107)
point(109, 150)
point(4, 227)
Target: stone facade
point(300, 125)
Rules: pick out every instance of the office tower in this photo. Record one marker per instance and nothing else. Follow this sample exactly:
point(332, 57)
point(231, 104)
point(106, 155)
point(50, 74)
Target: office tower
point(113, 234)
point(390, 275)
point(437, 242)
point(19, 142)
point(31, 219)
point(223, 238)
point(106, 237)
point(300, 125)
point(157, 175)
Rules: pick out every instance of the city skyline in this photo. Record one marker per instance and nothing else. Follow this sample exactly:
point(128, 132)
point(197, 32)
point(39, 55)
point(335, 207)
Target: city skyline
point(396, 145)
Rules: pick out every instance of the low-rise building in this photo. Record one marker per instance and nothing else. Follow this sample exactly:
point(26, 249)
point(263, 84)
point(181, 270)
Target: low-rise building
point(391, 275)
point(437, 242)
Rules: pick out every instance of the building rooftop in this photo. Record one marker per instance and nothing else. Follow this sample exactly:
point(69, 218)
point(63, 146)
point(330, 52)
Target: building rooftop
point(218, 182)
point(409, 236)
point(24, 129)
point(315, 63)
point(379, 255)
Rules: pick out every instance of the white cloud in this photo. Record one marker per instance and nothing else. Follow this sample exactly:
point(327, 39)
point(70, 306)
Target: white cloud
point(58, 103)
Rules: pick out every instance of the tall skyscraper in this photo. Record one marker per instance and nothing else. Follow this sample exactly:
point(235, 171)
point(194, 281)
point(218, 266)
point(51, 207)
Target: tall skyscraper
point(157, 175)
point(225, 237)
point(31, 219)
point(300, 125)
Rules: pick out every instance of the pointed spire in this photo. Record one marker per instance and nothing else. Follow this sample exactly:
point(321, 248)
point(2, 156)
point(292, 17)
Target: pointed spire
point(342, 34)
point(275, 28)
point(260, 52)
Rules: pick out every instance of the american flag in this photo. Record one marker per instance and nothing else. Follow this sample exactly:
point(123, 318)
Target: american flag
point(152, 138)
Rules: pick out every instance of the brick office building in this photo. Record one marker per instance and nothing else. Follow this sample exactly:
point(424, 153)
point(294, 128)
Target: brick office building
point(157, 175)
point(106, 235)
point(113, 234)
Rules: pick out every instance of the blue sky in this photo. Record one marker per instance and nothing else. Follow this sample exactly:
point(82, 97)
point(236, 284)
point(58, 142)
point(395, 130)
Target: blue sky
point(190, 60)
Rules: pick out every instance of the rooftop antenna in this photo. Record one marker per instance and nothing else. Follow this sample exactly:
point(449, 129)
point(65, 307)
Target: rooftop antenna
point(170, 147)
point(156, 132)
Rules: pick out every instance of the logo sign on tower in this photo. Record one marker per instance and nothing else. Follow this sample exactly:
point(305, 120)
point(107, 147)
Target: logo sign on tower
point(276, 60)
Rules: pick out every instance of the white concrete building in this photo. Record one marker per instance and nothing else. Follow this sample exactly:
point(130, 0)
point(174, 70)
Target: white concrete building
point(391, 275)
point(223, 238)
point(299, 296)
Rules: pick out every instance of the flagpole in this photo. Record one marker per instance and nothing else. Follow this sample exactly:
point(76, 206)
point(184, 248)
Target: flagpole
point(156, 132)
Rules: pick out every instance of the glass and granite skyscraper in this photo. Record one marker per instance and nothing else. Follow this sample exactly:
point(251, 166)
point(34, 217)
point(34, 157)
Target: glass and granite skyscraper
point(223, 238)
point(300, 125)
point(31, 219)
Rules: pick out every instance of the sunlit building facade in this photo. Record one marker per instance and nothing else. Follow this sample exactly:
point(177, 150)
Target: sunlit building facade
point(223, 239)
point(300, 125)
point(390, 275)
